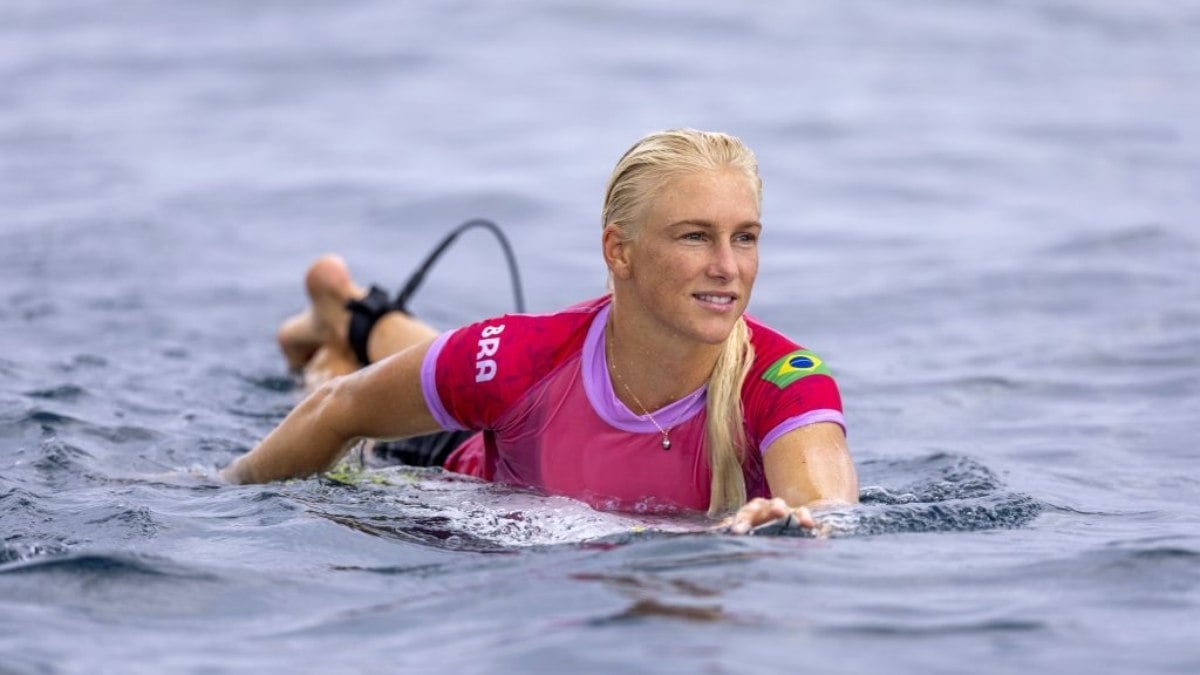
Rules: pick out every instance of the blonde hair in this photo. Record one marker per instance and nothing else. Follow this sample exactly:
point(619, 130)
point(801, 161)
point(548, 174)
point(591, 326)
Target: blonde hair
point(639, 175)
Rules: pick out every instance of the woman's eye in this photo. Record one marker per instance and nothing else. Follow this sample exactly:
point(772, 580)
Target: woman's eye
point(747, 238)
point(694, 236)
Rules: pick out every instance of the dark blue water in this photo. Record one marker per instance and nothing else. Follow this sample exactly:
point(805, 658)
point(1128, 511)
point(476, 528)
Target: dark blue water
point(984, 216)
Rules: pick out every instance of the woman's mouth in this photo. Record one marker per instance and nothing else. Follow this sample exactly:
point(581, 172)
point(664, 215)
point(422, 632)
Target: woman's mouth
point(713, 299)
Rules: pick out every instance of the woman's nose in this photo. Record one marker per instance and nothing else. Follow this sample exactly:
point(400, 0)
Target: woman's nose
point(723, 264)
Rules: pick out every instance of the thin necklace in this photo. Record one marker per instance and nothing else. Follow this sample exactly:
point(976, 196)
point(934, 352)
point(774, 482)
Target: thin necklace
point(666, 433)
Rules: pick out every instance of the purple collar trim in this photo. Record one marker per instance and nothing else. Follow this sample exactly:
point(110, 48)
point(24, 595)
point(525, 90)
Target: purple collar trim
point(599, 388)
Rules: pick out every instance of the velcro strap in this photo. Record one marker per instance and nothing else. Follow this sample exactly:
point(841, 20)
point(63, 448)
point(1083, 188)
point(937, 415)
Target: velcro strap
point(363, 315)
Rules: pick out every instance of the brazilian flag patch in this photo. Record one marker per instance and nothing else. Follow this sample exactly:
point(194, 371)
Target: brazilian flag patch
point(795, 366)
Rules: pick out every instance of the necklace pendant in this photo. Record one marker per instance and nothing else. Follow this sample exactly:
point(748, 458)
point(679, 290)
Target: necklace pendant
point(666, 443)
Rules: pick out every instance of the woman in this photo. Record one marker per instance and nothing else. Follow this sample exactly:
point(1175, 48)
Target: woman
point(659, 395)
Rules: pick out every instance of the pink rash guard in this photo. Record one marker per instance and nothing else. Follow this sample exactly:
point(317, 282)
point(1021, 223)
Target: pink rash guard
point(539, 389)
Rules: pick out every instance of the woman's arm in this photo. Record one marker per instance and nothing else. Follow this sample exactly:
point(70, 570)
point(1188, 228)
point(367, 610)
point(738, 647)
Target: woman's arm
point(381, 401)
point(809, 467)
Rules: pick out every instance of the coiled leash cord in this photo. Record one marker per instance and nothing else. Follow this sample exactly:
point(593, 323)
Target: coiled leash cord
point(365, 312)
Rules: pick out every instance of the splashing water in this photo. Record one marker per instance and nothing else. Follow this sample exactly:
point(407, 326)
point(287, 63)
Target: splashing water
point(936, 493)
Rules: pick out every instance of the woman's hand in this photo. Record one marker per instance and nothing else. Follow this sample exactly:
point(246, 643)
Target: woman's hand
point(759, 511)
point(809, 466)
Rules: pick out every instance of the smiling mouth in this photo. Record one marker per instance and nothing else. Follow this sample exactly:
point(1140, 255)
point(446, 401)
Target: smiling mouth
point(715, 299)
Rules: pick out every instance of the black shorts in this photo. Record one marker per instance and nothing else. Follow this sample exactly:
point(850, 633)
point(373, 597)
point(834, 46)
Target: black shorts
point(427, 450)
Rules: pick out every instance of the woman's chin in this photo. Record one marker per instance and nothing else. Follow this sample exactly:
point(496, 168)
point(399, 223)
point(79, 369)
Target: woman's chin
point(713, 332)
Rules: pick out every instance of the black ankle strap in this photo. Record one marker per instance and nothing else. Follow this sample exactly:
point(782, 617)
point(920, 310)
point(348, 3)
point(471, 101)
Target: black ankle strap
point(363, 315)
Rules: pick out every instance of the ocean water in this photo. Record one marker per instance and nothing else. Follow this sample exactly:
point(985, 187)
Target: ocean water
point(983, 215)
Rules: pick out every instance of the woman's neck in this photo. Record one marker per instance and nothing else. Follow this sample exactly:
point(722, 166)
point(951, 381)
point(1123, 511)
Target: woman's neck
point(651, 369)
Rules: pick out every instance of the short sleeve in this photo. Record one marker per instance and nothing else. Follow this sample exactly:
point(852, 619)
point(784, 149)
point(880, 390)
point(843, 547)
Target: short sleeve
point(788, 387)
point(472, 375)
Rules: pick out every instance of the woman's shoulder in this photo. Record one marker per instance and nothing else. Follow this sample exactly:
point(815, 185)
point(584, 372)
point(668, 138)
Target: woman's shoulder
point(767, 341)
point(778, 359)
point(787, 386)
point(568, 320)
point(535, 342)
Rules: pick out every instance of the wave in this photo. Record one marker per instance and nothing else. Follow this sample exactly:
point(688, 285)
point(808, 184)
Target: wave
point(1152, 571)
point(50, 423)
point(62, 392)
point(943, 628)
point(940, 492)
point(435, 508)
point(1001, 511)
point(59, 460)
point(110, 566)
point(20, 552)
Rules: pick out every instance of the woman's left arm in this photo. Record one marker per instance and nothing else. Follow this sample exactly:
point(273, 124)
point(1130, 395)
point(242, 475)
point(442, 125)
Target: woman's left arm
point(806, 468)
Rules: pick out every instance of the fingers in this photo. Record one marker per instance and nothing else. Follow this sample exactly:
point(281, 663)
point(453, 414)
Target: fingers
point(805, 517)
point(756, 512)
point(759, 511)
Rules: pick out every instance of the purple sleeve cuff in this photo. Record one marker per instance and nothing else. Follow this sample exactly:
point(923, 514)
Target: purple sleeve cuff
point(793, 423)
point(429, 385)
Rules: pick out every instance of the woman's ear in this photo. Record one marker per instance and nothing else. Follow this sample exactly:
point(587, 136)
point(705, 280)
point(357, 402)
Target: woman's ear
point(616, 251)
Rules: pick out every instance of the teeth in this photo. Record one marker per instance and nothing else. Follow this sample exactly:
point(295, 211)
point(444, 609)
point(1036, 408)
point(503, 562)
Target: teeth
point(716, 299)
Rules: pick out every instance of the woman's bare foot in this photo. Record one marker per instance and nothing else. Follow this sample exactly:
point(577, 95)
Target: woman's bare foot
point(326, 364)
point(329, 289)
point(315, 342)
point(324, 323)
point(298, 339)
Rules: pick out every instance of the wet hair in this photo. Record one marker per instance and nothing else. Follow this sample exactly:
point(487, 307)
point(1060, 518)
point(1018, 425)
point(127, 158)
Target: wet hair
point(639, 175)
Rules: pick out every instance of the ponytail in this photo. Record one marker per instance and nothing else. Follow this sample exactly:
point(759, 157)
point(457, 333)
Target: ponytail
point(725, 431)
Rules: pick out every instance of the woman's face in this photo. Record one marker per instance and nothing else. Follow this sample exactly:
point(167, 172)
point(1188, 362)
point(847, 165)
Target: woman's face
point(691, 263)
